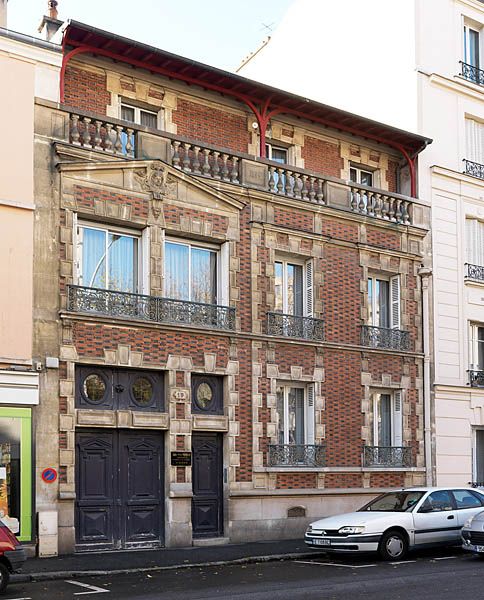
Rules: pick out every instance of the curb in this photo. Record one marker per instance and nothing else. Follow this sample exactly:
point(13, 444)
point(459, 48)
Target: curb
point(52, 575)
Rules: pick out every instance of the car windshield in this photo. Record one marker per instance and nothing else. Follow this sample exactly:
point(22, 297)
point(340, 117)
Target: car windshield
point(394, 502)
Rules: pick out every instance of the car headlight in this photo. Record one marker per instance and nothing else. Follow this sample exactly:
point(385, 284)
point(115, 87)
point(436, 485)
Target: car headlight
point(309, 529)
point(468, 523)
point(351, 529)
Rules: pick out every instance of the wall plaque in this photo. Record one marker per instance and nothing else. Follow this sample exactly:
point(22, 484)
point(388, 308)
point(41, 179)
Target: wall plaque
point(181, 459)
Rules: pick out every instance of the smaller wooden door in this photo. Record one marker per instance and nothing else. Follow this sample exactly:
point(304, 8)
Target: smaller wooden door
point(207, 502)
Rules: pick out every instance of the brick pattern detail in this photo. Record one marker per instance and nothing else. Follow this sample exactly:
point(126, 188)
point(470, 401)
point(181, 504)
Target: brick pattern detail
point(295, 219)
point(288, 481)
point(392, 176)
point(86, 197)
point(211, 125)
point(383, 239)
point(340, 230)
point(322, 157)
point(86, 90)
point(173, 214)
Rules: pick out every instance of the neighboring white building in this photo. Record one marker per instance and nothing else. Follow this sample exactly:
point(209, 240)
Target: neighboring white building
point(416, 65)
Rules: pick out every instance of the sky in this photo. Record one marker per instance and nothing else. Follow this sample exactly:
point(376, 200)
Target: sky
point(217, 32)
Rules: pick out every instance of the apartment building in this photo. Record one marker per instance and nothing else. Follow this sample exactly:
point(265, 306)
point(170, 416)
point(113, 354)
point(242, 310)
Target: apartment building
point(433, 83)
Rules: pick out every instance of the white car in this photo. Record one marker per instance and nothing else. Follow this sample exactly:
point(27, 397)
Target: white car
point(397, 521)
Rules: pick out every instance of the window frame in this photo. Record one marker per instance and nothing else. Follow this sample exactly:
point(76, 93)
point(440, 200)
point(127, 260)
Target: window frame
point(467, 29)
point(141, 275)
point(474, 363)
point(270, 147)
point(359, 170)
point(137, 114)
point(307, 285)
point(308, 405)
point(219, 296)
point(393, 300)
point(396, 423)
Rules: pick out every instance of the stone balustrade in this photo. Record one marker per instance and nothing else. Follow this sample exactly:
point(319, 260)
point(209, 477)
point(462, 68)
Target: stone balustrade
point(119, 138)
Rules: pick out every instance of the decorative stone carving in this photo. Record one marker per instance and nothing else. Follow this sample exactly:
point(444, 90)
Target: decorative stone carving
point(155, 179)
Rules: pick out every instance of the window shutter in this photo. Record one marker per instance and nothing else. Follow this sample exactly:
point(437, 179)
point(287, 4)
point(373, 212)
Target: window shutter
point(223, 271)
point(144, 262)
point(397, 418)
point(395, 302)
point(310, 415)
point(309, 289)
point(76, 275)
point(475, 141)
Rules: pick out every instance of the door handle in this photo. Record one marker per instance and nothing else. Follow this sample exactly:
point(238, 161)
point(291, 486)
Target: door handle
point(451, 517)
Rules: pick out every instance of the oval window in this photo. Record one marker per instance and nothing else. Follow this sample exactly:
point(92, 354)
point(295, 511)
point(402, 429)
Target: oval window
point(94, 388)
point(204, 396)
point(142, 390)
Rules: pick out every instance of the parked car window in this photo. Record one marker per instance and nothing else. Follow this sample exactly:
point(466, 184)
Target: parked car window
point(394, 502)
point(466, 499)
point(437, 501)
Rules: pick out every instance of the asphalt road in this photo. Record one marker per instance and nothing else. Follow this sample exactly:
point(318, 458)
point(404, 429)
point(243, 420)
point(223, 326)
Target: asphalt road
point(443, 575)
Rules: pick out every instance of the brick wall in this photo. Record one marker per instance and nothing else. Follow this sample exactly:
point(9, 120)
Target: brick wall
point(322, 157)
point(86, 90)
point(211, 125)
point(382, 238)
point(86, 198)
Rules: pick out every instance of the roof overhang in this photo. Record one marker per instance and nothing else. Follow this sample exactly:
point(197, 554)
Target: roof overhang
point(80, 38)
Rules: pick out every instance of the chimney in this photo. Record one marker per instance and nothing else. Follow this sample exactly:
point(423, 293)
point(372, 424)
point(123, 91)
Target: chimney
point(3, 13)
point(50, 23)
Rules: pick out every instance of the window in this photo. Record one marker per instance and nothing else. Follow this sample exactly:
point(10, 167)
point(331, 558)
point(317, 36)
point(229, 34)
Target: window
point(294, 288)
point(475, 141)
point(361, 176)
point(107, 259)
point(190, 272)
point(471, 46)
point(477, 347)
point(140, 116)
point(276, 153)
point(475, 242)
point(437, 502)
point(387, 419)
point(295, 414)
point(384, 302)
point(466, 499)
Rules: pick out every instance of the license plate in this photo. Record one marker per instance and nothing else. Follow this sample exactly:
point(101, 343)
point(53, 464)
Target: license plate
point(322, 542)
point(479, 548)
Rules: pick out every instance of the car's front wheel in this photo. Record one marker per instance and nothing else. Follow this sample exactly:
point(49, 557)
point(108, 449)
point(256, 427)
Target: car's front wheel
point(393, 545)
point(4, 578)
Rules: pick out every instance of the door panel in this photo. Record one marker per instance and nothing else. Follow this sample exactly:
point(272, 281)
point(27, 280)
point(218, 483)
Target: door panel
point(440, 524)
point(119, 483)
point(207, 503)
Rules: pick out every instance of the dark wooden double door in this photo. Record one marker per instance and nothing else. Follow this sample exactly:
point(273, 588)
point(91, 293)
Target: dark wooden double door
point(207, 502)
point(119, 489)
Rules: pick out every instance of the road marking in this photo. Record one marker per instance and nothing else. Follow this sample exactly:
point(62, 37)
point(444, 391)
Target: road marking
point(328, 564)
point(94, 589)
point(402, 562)
point(444, 558)
point(21, 598)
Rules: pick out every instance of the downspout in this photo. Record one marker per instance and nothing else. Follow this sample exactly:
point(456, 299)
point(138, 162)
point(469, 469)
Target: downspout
point(425, 274)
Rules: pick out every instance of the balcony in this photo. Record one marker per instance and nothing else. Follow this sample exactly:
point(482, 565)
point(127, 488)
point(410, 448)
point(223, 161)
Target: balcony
point(474, 272)
point(295, 455)
point(472, 73)
point(128, 140)
point(387, 456)
point(384, 338)
point(473, 169)
point(305, 328)
point(149, 308)
point(476, 378)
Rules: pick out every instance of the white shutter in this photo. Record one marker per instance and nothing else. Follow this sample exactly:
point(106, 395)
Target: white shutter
point(76, 275)
point(223, 275)
point(475, 141)
point(309, 289)
point(395, 302)
point(475, 242)
point(144, 262)
point(397, 418)
point(310, 414)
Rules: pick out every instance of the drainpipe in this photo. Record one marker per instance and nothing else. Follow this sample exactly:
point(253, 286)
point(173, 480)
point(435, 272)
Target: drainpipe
point(425, 274)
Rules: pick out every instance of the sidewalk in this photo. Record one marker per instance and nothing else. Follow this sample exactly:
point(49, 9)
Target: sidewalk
point(102, 563)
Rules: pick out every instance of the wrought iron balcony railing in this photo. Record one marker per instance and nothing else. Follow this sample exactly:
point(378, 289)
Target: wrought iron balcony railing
point(475, 272)
point(472, 73)
point(305, 328)
point(387, 456)
point(474, 169)
point(476, 378)
point(149, 308)
point(296, 455)
point(382, 337)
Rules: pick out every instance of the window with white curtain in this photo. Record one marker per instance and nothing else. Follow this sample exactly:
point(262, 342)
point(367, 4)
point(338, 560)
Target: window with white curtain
point(295, 414)
point(140, 116)
point(294, 288)
point(107, 258)
point(384, 302)
point(475, 242)
point(190, 272)
point(387, 418)
point(475, 141)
